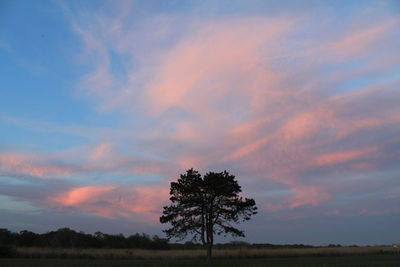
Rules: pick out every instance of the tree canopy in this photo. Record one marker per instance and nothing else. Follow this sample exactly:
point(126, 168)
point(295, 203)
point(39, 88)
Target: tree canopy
point(68, 238)
point(204, 206)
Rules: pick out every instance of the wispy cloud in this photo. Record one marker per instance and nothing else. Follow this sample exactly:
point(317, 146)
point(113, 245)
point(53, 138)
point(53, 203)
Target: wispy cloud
point(275, 100)
point(112, 201)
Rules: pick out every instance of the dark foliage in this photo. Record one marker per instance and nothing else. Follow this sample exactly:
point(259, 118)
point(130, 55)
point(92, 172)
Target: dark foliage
point(204, 206)
point(67, 238)
point(7, 251)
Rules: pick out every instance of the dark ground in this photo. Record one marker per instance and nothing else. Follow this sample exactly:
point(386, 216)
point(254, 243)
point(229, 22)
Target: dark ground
point(337, 261)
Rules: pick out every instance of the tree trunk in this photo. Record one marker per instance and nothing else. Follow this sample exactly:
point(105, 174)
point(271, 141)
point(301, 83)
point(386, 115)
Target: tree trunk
point(209, 252)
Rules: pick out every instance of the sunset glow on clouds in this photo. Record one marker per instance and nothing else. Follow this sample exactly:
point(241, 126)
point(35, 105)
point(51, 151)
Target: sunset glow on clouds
point(299, 101)
point(109, 201)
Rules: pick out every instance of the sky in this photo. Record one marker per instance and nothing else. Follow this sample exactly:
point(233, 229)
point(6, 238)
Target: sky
point(104, 103)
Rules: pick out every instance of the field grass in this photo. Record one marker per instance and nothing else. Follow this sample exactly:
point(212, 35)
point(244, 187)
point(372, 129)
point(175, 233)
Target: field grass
point(32, 252)
point(384, 260)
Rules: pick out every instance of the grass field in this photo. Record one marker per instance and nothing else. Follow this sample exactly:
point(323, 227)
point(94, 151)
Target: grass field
point(322, 261)
point(140, 254)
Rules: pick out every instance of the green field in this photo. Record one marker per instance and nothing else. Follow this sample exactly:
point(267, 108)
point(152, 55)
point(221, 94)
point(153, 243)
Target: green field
point(325, 261)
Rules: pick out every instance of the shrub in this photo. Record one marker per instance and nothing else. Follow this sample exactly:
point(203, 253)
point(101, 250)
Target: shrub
point(7, 251)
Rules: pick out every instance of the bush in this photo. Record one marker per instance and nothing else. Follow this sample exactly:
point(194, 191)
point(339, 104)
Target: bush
point(7, 251)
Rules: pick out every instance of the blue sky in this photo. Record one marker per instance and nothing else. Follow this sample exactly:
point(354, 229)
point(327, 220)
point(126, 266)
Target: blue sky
point(103, 103)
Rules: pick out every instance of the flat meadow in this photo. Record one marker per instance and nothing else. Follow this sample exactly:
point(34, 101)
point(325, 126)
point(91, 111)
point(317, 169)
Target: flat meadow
point(147, 254)
point(327, 256)
point(383, 260)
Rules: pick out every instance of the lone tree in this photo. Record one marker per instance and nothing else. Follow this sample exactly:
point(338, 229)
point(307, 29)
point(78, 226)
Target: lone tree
point(204, 206)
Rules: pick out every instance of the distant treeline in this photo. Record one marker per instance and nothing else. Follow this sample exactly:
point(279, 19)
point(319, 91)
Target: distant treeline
point(68, 238)
point(238, 245)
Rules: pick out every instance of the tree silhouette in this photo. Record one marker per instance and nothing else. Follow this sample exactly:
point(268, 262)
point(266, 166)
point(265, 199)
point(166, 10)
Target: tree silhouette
point(202, 207)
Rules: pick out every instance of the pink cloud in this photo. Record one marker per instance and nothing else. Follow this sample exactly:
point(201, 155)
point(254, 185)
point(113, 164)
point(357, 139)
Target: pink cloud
point(189, 162)
point(308, 195)
point(28, 164)
point(80, 161)
point(250, 148)
point(82, 195)
point(363, 40)
point(302, 195)
point(250, 94)
point(147, 201)
point(207, 65)
point(341, 157)
point(101, 151)
point(113, 201)
point(307, 124)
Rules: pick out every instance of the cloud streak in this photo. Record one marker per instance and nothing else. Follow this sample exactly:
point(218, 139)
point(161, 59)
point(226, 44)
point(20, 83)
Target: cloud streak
point(144, 202)
point(292, 109)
